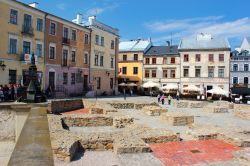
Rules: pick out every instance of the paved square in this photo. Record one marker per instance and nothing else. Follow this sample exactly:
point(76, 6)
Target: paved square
point(193, 152)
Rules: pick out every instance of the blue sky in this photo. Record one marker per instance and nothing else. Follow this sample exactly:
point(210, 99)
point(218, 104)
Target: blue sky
point(161, 19)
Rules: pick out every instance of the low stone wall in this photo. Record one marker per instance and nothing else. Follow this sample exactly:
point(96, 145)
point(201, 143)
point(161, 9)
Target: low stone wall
point(87, 121)
point(131, 139)
point(242, 107)
point(197, 104)
point(60, 106)
point(216, 109)
point(140, 106)
point(122, 105)
point(177, 118)
point(122, 121)
point(96, 111)
point(203, 132)
point(181, 104)
point(153, 110)
point(239, 138)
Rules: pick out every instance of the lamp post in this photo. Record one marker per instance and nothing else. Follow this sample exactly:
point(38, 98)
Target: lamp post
point(2, 65)
point(124, 90)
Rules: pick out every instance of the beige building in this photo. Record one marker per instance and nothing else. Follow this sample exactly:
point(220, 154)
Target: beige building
point(22, 34)
point(103, 58)
point(205, 62)
point(162, 65)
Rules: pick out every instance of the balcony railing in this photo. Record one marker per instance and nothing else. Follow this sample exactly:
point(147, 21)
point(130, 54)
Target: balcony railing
point(27, 30)
point(65, 41)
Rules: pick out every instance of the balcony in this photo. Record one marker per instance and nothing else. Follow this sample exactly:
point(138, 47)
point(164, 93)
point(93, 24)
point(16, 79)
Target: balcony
point(27, 30)
point(65, 41)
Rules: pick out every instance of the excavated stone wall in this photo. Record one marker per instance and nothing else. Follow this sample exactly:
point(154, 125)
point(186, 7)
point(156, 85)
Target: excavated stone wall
point(177, 118)
point(60, 106)
point(7, 125)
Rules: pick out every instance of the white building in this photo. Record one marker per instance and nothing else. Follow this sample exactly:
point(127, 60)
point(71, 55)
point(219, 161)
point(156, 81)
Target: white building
point(205, 62)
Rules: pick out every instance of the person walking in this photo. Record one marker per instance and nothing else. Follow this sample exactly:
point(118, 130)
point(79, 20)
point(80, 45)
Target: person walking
point(162, 99)
point(169, 99)
point(178, 96)
point(159, 97)
point(1, 93)
point(15, 92)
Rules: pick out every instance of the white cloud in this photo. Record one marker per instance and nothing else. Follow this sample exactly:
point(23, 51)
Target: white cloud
point(100, 10)
point(61, 6)
point(187, 27)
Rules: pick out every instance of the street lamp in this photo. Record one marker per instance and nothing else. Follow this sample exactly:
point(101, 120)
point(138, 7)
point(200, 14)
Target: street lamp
point(124, 90)
point(2, 65)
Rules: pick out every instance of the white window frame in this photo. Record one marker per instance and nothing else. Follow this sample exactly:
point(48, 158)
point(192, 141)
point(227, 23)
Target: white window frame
point(13, 37)
point(55, 28)
point(73, 49)
point(52, 45)
point(39, 42)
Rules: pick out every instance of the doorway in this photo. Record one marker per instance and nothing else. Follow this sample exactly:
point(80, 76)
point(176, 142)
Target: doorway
point(209, 87)
point(52, 79)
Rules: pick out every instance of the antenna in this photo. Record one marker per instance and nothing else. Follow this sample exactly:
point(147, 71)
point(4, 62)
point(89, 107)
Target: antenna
point(171, 38)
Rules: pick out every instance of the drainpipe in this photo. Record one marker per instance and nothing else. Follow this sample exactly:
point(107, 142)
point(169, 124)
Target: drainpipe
point(44, 51)
point(90, 51)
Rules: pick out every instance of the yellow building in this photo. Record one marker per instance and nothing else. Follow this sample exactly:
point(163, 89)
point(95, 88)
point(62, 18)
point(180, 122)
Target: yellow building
point(22, 34)
point(130, 61)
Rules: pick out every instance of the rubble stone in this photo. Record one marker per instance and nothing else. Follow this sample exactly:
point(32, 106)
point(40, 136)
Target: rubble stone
point(153, 110)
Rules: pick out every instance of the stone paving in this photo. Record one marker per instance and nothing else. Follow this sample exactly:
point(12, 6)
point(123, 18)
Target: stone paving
point(202, 117)
point(6, 148)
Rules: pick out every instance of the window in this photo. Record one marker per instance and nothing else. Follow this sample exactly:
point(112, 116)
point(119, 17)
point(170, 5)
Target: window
point(12, 76)
point(52, 28)
point(85, 58)
point(65, 57)
point(165, 73)
point(135, 57)
point(26, 47)
point(13, 46)
point(186, 58)
point(102, 41)
point(13, 16)
point(101, 60)
point(39, 50)
point(73, 78)
point(97, 39)
point(172, 74)
point(39, 25)
point(124, 57)
point(235, 80)
point(135, 70)
point(96, 60)
point(65, 78)
point(221, 73)
point(86, 39)
point(165, 60)
point(73, 35)
point(235, 67)
point(27, 20)
point(173, 60)
point(147, 61)
point(98, 82)
point(146, 73)
point(73, 56)
point(210, 72)
point(65, 33)
point(245, 80)
point(153, 60)
point(52, 52)
point(211, 57)
point(197, 72)
point(112, 45)
point(124, 70)
point(112, 62)
point(221, 57)
point(111, 83)
point(186, 73)
point(153, 74)
point(198, 57)
point(246, 68)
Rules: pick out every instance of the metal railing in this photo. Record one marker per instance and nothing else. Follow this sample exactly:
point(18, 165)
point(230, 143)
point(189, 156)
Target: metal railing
point(27, 30)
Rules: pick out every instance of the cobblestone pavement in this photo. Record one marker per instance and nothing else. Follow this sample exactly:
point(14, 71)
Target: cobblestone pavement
point(6, 149)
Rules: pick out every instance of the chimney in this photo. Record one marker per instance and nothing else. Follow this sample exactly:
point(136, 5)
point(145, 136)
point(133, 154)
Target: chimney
point(91, 19)
point(34, 4)
point(78, 19)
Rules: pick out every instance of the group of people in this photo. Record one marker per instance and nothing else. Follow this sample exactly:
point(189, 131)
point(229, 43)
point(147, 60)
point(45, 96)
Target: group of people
point(161, 98)
point(9, 92)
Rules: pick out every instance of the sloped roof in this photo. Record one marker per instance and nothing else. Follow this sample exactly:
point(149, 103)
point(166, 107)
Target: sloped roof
point(248, 39)
point(162, 50)
point(212, 43)
point(135, 45)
